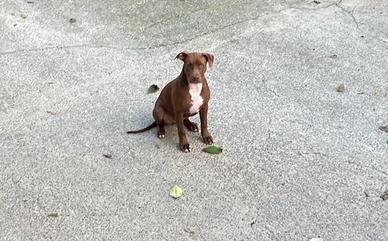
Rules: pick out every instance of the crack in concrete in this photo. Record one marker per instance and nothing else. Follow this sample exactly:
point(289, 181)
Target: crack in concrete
point(173, 17)
point(336, 4)
point(314, 9)
point(67, 47)
point(203, 34)
point(43, 49)
point(349, 13)
point(128, 48)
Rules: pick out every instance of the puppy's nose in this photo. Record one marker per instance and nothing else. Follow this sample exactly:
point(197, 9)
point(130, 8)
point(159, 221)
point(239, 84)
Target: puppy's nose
point(196, 78)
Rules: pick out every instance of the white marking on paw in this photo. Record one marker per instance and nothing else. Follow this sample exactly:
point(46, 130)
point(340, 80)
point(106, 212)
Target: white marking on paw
point(196, 98)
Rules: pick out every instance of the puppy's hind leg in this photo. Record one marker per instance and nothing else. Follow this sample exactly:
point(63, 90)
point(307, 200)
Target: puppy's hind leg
point(158, 114)
point(161, 131)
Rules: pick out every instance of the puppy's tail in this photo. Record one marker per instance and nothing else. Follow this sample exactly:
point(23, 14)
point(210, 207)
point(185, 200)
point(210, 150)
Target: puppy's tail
point(144, 129)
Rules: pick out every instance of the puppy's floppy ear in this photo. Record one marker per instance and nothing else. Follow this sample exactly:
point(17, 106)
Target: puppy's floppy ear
point(182, 55)
point(209, 58)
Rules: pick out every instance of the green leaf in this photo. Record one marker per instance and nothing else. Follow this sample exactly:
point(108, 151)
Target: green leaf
point(212, 150)
point(152, 89)
point(176, 192)
point(23, 15)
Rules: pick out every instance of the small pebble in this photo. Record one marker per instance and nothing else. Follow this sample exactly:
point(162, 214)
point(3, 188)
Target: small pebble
point(384, 196)
point(107, 155)
point(384, 128)
point(341, 88)
point(53, 215)
point(72, 20)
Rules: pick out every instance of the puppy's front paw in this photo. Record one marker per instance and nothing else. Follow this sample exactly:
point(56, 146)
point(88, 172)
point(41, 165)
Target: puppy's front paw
point(185, 147)
point(208, 139)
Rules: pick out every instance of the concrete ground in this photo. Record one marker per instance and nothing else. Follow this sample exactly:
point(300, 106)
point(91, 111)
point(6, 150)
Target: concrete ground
point(300, 160)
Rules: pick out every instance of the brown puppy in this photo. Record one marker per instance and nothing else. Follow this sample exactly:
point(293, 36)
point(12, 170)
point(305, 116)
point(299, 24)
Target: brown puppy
point(183, 97)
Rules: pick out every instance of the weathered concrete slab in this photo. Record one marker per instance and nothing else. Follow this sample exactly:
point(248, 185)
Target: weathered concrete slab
point(300, 160)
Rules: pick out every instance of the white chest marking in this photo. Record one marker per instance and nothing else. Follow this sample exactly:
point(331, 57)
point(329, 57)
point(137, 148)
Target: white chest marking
point(196, 98)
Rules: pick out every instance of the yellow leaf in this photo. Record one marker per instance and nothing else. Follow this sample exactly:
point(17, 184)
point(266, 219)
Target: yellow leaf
point(176, 192)
point(333, 56)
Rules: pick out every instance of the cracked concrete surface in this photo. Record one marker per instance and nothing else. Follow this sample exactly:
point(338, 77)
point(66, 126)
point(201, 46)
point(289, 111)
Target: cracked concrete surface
point(300, 160)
